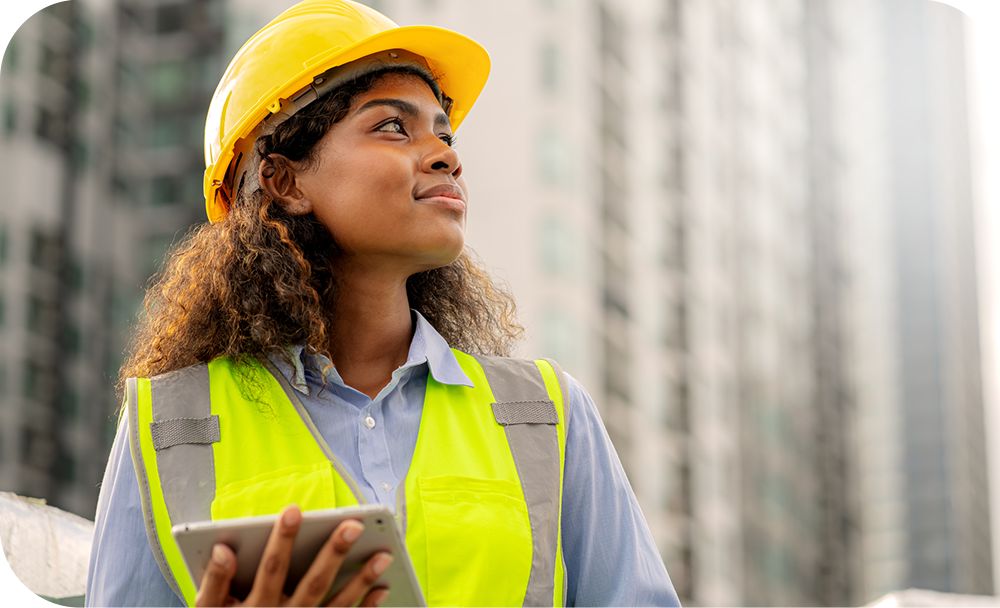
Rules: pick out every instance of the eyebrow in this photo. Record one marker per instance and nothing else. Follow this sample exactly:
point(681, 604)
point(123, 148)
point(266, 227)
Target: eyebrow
point(440, 119)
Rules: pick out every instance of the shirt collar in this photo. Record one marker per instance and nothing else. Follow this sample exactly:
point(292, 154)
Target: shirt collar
point(427, 346)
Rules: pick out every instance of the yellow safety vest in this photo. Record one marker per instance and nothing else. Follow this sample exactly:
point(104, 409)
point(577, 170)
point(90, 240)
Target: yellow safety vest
point(480, 507)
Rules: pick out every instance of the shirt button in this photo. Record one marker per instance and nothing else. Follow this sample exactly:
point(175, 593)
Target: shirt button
point(386, 486)
point(369, 422)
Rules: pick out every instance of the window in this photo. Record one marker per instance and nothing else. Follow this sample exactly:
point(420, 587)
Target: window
point(72, 340)
point(561, 338)
point(50, 126)
point(166, 190)
point(44, 249)
point(171, 17)
point(550, 64)
point(167, 81)
point(166, 133)
point(10, 56)
point(558, 249)
point(9, 117)
point(54, 63)
point(553, 157)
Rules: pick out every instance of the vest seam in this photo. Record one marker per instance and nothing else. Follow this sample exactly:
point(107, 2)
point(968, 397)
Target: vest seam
point(317, 437)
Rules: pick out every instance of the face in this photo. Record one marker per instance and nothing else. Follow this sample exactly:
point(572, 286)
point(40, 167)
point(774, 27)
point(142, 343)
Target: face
point(386, 182)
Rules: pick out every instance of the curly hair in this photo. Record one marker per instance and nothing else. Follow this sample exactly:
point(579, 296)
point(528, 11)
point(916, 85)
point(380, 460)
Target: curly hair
point(262, 279)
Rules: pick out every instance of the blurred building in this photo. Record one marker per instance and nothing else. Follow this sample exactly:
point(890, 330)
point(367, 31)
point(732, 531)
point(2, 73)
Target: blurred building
point(104, 107)
point(713, 201)
point(744, 225)
point(922, 454)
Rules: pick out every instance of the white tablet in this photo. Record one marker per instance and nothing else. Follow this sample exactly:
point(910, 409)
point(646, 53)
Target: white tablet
point(247, 537)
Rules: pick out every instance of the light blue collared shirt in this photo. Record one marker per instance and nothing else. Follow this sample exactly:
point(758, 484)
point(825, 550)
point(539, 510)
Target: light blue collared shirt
point(610, 556)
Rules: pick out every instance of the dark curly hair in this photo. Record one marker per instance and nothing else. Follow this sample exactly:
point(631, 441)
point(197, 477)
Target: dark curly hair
point(262, 279)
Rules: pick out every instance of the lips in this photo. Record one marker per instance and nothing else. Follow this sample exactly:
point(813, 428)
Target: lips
point(442, 191)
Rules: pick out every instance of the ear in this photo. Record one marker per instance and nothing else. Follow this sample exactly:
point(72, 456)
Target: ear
point(277, 176)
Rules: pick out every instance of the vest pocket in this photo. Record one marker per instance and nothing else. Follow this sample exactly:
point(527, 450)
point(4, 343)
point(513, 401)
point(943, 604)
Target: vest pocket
point(309, 486)
point(478, 541)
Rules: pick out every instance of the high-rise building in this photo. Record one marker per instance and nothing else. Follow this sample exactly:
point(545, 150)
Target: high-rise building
point(920, 443)
point(104, 105)
point(692, 202)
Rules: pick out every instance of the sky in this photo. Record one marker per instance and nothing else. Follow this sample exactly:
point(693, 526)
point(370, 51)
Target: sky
point(984, 51)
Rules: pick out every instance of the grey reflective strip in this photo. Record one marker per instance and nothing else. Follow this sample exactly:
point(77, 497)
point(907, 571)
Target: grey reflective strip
point(178, 431)
point(294, 398)
point(563, 390)
point(535, 448)
point(187, 469)
point(132, 407)
point(525, 412)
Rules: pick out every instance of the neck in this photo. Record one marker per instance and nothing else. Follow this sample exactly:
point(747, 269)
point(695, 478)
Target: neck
point(371, 329)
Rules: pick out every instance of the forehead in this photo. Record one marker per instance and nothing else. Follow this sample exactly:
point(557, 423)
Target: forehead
point(398, 86)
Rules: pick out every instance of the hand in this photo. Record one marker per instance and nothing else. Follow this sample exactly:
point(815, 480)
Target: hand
point(270, 578)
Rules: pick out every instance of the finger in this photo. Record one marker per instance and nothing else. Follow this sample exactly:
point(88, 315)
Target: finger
point(358, 586)
point(375, 597)
point(270, 577)
point(214, 589)
point(326, 564)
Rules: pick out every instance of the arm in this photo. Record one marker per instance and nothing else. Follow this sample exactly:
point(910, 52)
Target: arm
point(611, 559)
point(122, 569)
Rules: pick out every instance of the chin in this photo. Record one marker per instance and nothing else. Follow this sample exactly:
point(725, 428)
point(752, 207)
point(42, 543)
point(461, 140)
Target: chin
point(439, 257)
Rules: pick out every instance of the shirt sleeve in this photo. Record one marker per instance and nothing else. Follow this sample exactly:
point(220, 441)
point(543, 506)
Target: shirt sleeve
point(122, 569)
point(611, 559)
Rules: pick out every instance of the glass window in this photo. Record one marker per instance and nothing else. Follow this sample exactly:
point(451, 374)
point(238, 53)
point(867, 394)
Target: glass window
point(9, 117)
point(166, 190)
point(558, 251)
point(168, 132)
point(72, 339)
point(551, 67)
point(9, 64)
point(171, 17)
point(50, 126)
point(156, 249)
point(553, 157)
point(167, 81)
point(561, 338)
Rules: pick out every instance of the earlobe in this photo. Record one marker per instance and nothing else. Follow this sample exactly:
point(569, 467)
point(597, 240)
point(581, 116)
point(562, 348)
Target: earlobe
point(277, 176)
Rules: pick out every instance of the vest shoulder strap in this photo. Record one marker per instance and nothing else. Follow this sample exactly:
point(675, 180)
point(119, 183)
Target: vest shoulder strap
point(172, 430)
point(530, 404)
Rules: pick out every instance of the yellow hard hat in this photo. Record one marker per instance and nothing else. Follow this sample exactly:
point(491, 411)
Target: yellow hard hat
point(287, 57)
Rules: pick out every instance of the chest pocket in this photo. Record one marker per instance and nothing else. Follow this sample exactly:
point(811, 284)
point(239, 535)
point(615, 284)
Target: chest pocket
point(475, 527)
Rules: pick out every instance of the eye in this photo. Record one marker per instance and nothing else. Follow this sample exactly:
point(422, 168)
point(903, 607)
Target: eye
point(448, 139)
point(393, 125)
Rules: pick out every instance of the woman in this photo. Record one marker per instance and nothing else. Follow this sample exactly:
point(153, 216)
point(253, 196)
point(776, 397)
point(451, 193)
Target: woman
point(309, 348)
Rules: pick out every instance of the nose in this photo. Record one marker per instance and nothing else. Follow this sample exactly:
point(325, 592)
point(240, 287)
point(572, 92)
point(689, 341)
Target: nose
point(441, 158)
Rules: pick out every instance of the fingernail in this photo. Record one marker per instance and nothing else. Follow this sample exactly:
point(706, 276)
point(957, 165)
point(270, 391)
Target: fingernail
point(219, 556)
point(380, 596)
point(381, 562)
point(352, 533)
point(291, 517)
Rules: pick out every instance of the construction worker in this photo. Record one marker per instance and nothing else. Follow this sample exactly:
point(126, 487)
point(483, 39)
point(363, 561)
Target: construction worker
point(326, 340)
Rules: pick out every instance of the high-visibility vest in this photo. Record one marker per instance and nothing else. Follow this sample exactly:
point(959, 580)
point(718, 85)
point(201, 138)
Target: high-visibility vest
point(482, 500)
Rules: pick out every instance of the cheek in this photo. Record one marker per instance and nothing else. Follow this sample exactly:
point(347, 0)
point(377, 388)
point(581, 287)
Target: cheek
point(364, 194)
